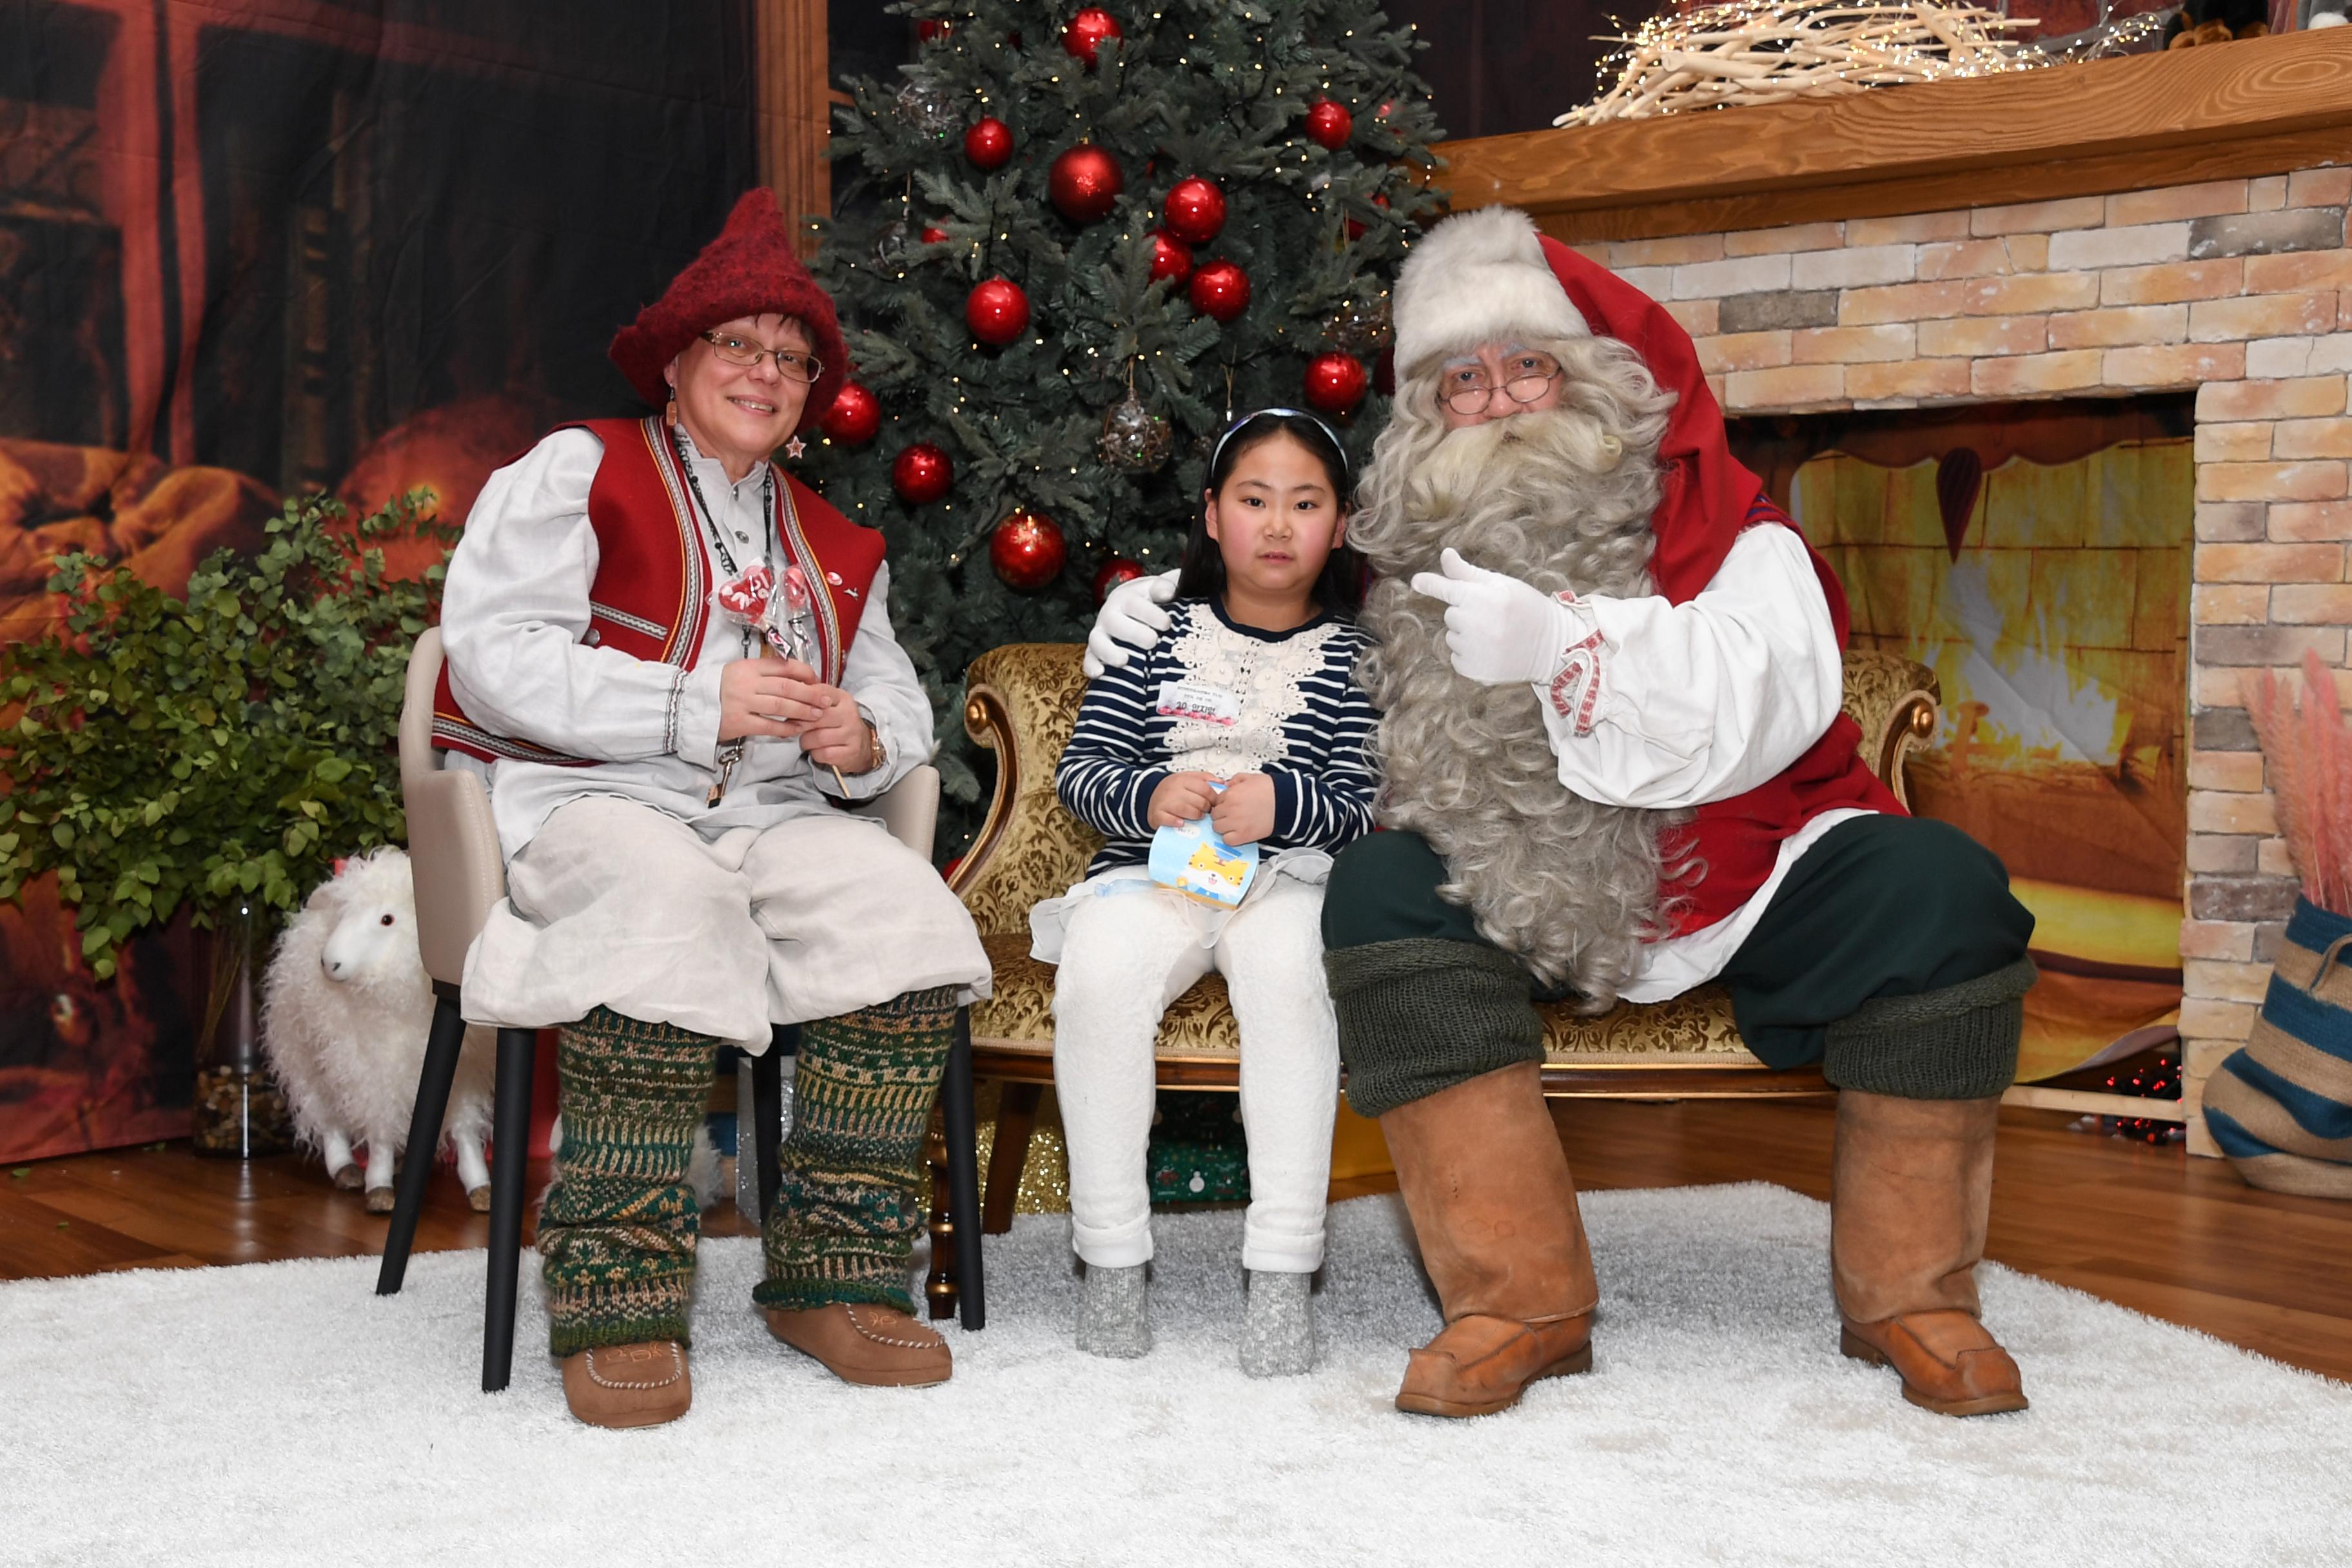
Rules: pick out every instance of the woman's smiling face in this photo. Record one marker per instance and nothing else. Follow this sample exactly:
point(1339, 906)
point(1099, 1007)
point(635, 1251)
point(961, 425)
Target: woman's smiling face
point(739, 413)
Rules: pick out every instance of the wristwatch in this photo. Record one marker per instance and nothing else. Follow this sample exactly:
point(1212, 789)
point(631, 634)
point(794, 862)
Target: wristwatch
point(879, 752)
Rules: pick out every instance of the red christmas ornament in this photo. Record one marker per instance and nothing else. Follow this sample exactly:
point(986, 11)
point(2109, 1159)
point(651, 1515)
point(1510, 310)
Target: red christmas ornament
point(854, 417)
point(1335, 383)
point(1112, 572)
point(997, 312)
point(1171, 256)
point(1088, 31)
point(1195, 210)
point(1328, 124)
point(1084, 183)
point(1355, 229)
point(934, 234)
point(1221, 289)
point(1027, 551)
point(921, 474)
point(989, 143)
point(932, 29)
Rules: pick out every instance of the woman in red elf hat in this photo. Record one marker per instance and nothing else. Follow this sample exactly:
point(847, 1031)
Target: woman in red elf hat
point(666, 654)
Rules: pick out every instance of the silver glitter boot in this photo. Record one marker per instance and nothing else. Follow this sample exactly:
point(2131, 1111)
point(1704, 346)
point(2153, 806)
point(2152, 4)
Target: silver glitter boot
point(1113, 1318)
point(1278, 1325)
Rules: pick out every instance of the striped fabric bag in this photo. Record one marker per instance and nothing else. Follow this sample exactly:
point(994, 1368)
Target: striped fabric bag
point(2281, 1108)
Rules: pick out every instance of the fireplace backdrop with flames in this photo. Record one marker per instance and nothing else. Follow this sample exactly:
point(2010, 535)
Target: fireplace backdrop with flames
point(248, 249)
point(2037, 556)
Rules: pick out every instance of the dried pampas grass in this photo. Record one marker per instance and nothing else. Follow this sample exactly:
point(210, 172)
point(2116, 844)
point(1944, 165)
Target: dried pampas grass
point(2308, 747)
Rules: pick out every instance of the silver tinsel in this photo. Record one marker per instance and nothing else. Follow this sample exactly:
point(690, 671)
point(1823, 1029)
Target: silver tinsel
point(1135, 440)
point(1362, 328)
point(930, 108)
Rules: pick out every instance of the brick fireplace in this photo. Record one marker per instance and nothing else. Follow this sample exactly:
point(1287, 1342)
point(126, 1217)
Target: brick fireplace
point(1880, 288)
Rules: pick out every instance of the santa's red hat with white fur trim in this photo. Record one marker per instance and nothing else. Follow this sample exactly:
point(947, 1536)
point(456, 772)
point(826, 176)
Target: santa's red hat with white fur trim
point(1488, 277)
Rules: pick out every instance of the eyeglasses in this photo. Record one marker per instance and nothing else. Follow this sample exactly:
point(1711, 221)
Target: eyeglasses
point(793, 364)
point(1467, 389)
point(1246, 420)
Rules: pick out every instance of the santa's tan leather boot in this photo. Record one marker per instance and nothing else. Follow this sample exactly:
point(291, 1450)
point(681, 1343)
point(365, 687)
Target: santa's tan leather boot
point(1484, 1178)
point(628, 1385)
point(1910, 1186)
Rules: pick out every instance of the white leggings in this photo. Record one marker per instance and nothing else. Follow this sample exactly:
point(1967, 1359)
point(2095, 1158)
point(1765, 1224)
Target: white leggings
point(1125, 957)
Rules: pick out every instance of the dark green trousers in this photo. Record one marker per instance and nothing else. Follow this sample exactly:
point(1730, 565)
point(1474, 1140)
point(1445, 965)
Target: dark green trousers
point(1893, 953)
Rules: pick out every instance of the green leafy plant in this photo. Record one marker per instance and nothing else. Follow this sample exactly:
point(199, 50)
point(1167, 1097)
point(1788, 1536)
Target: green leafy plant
point(218, 747)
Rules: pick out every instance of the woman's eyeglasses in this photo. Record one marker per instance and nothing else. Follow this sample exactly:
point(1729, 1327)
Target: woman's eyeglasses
point(792, 365)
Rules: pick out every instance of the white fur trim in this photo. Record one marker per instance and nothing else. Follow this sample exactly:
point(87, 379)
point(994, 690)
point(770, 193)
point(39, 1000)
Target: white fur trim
point(1478, 276)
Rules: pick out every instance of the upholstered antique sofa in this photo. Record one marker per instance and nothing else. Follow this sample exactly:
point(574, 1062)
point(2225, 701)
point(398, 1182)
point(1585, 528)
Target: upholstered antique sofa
point(1021, 701)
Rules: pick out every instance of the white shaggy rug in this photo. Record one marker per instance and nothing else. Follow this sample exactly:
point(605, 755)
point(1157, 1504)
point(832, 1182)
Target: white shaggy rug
point(282, 1414)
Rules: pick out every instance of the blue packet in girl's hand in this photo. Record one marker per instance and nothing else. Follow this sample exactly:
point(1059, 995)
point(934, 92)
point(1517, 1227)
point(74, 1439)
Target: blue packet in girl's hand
point(1192, 858)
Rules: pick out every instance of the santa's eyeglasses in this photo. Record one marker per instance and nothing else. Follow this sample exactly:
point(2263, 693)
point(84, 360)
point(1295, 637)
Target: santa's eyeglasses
point(1468, 389)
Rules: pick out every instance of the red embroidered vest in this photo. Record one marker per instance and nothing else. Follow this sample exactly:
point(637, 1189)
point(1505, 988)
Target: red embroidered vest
point(651, 597)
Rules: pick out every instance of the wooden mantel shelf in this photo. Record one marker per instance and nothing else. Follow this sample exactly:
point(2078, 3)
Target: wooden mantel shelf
point(2220, 112)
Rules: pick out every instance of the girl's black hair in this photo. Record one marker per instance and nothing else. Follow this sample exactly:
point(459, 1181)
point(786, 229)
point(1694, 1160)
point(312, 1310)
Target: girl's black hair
point(1339, 589)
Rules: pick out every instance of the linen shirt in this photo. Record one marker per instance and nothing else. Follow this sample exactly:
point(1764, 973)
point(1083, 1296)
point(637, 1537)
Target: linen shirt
point(514, 615)
point(1702, 701)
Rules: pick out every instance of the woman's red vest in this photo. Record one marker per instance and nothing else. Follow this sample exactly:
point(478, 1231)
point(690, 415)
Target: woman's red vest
point(651, 598)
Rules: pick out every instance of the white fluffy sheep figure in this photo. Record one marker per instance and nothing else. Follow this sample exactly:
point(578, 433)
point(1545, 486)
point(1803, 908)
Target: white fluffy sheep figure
point(345, 1008)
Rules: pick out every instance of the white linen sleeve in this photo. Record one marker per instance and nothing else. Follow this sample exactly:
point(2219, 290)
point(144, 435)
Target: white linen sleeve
point(878, 675)
point(1676, 705)
point(514, 610)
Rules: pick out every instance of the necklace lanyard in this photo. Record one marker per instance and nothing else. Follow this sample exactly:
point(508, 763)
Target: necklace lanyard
point(710, 518)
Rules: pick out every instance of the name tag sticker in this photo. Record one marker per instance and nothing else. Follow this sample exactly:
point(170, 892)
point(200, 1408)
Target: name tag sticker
point(1195, 699)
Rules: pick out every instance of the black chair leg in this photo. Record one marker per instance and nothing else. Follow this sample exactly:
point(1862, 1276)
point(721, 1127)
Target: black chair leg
point(442, 1043)
point(961, 1125)
point(509, 1156)
point(768, 1113)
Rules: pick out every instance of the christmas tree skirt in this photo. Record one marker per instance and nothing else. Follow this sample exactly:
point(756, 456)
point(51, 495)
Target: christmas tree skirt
point(282, 1413)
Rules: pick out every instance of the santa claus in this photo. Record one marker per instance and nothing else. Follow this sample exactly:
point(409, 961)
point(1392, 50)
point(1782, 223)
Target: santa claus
point(1610, 671)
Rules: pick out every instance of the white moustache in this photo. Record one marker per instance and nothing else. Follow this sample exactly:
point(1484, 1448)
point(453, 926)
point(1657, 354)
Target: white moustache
point(1478, 459)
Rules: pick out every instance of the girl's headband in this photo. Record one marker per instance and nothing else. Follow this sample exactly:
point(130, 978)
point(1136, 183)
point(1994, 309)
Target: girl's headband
point(1238, 425)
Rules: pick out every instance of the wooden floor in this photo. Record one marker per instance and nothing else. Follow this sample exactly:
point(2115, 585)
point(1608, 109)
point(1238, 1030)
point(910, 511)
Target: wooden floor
point(2152, 1229)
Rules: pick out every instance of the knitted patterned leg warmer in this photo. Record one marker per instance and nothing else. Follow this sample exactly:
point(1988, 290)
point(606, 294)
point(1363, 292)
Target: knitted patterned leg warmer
point(616, 1236)
point(851, 1178)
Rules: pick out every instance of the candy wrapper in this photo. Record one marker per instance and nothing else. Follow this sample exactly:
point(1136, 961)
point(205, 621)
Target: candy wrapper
point(1195, 860)
point(783, 614)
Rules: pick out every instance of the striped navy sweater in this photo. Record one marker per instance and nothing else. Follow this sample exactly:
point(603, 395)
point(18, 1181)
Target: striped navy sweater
point(1300, 719)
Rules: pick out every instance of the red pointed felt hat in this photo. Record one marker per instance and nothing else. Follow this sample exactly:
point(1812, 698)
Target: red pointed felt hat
point(749, 270)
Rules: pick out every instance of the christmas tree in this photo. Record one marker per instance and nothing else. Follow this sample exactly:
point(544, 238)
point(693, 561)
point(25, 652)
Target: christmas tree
point(1072, 244)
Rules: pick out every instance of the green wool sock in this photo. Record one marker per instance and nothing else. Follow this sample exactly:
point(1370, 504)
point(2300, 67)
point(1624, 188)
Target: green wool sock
point(1956, 1043)
point(1422, 1014)
point(616, 1236)
point(852, 1181)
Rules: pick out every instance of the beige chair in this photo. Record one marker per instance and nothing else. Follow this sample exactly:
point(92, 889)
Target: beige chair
point(453, 853)
point(1021, 703)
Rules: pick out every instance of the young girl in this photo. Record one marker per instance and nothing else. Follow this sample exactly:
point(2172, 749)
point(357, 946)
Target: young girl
point(1245, 713)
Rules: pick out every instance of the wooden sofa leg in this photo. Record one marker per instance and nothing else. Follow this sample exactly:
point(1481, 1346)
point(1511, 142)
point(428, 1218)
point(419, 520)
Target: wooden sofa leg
point(1017, 1121)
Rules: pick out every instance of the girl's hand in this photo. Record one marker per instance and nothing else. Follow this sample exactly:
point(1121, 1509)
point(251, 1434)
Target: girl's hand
point(1244, 813)
point(1180, 798)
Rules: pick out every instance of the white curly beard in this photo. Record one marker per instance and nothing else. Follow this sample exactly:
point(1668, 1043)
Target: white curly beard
point(1562, 500)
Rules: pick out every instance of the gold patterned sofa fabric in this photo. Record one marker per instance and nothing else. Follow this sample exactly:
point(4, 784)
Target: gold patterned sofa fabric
point(1021, 701)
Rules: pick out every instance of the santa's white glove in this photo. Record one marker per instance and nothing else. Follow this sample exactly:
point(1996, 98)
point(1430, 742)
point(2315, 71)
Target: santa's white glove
point(1499, 630)
point(1130, 621)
